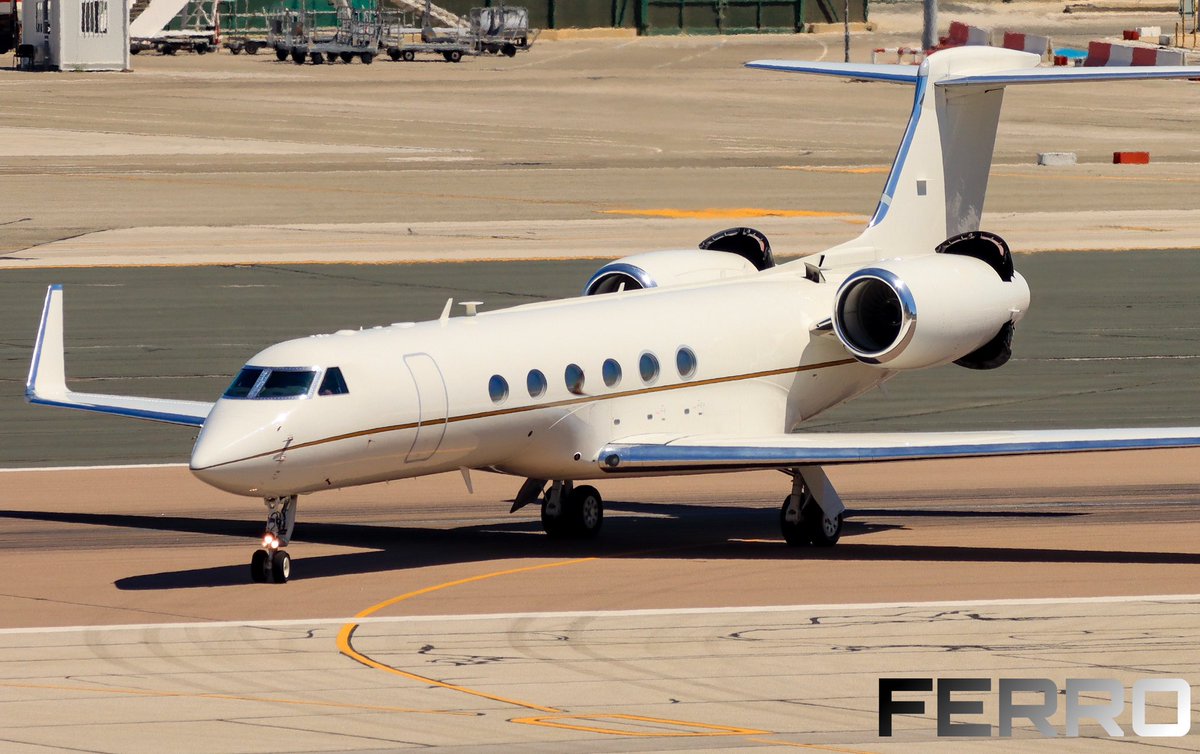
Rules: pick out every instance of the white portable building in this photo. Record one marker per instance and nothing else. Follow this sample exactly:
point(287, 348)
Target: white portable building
point(76, 35)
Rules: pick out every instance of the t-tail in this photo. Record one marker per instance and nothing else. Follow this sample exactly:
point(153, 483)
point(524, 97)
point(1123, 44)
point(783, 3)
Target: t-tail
point(936, 187)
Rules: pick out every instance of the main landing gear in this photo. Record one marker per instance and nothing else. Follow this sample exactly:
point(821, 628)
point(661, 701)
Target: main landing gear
point(570, 512)
point(813, 513)
point(272, 563)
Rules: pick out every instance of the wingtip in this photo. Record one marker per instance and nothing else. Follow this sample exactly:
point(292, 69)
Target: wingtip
point(46, 369)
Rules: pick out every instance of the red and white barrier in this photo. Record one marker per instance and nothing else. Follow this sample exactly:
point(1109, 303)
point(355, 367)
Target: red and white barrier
point(914, 56)
point(1109, 54)
point(1034, 43)
point(962, 35)
point(1157, 56)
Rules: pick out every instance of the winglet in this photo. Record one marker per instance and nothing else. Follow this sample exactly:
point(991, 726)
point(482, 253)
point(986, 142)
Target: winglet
point(47, 382)
point(47, 372)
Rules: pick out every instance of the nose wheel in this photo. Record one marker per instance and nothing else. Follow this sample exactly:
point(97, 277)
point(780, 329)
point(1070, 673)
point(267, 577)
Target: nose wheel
point(271, 563)
point(270, 566)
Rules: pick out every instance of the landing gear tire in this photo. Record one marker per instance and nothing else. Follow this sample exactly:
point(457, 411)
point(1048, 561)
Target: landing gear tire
point(587, 511)
point(271, 562)
point(281, 567)
point(555, 525)
point(578, 514)
point(802, 522)
point(822, 530)
point(791, 521)
point(260, 566)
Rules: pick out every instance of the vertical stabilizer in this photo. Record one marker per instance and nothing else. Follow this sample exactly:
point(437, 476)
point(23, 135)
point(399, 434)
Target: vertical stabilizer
point(938, 180)
point(939, 177)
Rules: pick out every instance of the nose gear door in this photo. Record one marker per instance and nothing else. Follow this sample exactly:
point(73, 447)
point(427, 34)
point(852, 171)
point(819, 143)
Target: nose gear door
point(432, 406)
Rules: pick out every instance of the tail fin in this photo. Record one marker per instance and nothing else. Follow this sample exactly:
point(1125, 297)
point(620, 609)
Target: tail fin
point(938, 180)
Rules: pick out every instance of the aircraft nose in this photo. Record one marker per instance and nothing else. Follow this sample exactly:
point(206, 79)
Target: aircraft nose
point(221, 459)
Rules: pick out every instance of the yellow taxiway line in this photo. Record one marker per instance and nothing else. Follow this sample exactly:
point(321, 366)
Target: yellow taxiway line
point(554, 717)
point(346, 634)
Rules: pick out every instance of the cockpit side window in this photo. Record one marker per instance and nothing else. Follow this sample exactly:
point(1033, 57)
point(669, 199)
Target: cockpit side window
point(286, 384)
point(244, 382)
point(333, 383)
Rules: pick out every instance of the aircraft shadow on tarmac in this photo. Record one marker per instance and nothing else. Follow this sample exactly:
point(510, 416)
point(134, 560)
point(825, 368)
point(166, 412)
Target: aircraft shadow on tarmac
point(642, 530)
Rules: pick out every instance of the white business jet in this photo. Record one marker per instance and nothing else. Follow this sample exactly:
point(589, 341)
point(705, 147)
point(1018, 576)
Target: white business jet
point(673, 362)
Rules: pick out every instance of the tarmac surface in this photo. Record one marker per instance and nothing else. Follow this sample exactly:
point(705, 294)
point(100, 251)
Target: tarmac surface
point(182, 206)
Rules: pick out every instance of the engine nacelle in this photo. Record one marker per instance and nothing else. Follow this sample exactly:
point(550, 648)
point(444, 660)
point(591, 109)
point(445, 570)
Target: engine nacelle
point(925, 311)
point(655, 269)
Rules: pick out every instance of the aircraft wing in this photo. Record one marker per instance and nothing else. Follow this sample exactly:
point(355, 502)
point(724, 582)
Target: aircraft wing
point(47, 383)
point(682, 453)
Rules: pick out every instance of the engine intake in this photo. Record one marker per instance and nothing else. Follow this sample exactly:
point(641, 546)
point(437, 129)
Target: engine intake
point(656, 269)
point(925, 311)
point(874, 315)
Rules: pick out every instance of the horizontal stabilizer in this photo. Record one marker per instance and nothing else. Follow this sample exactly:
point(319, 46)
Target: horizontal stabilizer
point(909, 74)
point(896, 74)
point(1061, 75)
point(47, 383)
point(681, 453)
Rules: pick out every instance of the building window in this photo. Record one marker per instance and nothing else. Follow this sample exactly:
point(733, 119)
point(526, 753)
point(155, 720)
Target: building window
point(574, 378)
point(611, 371)
point(685, 362)
point(648, 366)
point(498, 388)
point(93, 20)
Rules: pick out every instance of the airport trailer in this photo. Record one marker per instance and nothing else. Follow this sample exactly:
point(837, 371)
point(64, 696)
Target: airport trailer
point(502, 30)
point(295, 34)
point(171, 42)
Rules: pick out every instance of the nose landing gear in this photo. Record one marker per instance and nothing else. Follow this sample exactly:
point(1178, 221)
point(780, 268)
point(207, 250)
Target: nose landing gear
point(272, 563)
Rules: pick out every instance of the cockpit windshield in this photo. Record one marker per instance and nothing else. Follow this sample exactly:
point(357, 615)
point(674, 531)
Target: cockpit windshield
point(272, 382)
point(282, 383)
point(244, 383)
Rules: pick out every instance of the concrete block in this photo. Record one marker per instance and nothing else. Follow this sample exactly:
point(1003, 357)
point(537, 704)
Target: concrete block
point(1056, 158)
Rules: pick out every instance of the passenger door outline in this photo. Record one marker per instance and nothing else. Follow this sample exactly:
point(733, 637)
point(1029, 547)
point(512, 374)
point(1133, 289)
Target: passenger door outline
point(433, 406)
